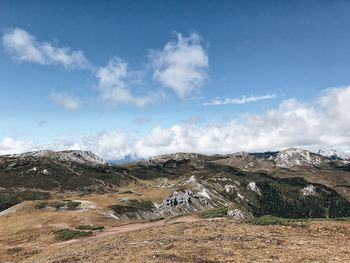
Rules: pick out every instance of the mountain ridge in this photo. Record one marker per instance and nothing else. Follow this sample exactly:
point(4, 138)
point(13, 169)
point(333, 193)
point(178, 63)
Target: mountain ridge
point(90, 157)
point(291, 183)
point(67, 155)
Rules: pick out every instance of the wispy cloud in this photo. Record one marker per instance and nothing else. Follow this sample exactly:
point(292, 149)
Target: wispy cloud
point(181, 65)
point(66, 101)
point(23, 46)
point(115, 81)
point(241, 100)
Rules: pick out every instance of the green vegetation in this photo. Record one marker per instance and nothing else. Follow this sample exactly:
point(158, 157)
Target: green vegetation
point(85, 178)
point(269, 220)
point(212, 213)
point(41, 205)
point(79, 231)
point(89, 227)
point(282, 198)
point(273, 220)
point(11, 197)
point(141, 204)
point(156, 219)
point(72, 205)
point(133, 206)
point(339, 219)
point(324, 219)
point(66, 234)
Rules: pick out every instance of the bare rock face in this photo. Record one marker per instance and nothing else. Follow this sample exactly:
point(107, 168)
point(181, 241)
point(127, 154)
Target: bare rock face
point(183, 202)
point(238, 214)
point(309, 190)
point(192, 196)
point(253, 187)
point(298, 157)
point(180, 202)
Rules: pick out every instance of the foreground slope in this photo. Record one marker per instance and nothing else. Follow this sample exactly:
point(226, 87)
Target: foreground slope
point(202, 241)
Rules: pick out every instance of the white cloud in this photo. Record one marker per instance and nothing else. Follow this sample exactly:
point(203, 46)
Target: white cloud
point(241, 100)
point(337, 101)
point(115, 81)
point(9, 145)
point(24, 47)
point(66, 101)
point(323, 123)
point(182, 65)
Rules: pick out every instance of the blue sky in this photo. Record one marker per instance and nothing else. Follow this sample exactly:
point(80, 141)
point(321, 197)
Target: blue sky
point(164, 62)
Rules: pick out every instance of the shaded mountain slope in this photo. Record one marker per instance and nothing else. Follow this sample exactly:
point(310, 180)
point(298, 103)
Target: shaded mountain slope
point(293, 183)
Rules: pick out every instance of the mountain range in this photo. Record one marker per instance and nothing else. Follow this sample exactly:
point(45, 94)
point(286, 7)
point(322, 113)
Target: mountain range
point(291, 183)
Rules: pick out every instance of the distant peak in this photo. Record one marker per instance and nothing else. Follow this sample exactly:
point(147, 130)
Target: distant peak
point(334, 154)
point(298, 157)
point(68, 155)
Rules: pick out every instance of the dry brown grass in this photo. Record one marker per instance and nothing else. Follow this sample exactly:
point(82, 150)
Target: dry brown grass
point(28, 227)
point(204, 241)
point(27, 235)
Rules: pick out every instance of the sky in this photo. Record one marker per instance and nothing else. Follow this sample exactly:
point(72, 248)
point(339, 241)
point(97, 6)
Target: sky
point(142, 78)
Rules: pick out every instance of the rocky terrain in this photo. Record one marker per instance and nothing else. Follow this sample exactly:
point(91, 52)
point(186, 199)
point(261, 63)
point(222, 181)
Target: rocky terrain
point(42, 193)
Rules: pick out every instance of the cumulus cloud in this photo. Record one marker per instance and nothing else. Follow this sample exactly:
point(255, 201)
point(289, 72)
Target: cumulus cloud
point(9, 145)
point(322, 123)
point(69, 102)
point(181, 65)
point(23, 46)
point(241, 100)
point(115, 81)
point(337, 101)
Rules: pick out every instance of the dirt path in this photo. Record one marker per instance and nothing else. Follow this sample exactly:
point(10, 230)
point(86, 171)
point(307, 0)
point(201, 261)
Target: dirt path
point(134, 227)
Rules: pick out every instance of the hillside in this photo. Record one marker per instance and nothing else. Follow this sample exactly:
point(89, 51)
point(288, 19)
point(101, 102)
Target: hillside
point(67, 170)
point(48, 197)
point(279, 183)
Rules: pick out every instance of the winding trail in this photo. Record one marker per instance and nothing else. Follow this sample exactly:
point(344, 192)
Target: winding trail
point(134, 227)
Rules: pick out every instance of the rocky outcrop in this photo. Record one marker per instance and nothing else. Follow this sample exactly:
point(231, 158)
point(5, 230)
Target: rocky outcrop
point(239, 214)
point(183, 202)
point(309, 190)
